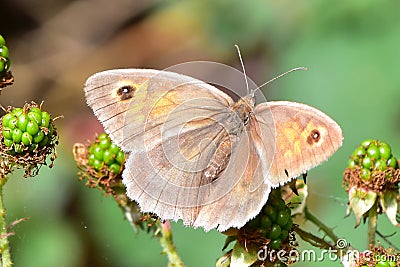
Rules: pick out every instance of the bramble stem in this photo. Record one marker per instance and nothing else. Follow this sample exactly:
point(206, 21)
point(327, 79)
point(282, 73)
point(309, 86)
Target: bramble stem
point(372, 224)
point(4, 244)
point(312, 239)
point(169, 248)
point(328, 231)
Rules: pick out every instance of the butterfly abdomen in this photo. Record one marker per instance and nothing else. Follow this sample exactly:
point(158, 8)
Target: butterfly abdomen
point(219, 160)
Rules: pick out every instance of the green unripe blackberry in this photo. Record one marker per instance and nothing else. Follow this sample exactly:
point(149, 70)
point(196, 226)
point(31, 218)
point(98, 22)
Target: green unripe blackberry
point(351, 163)
point(16, 135)
point(282, 217)
point(372, 155)
point(288, 225)
point(365, 174)
point(108, 157)
point(35, 116)
point(37, 138)
point(45, 119)
point(7, 133)
point(276, 217)
point(359, 152)
point(32, 127)
point(270, 212)
point(105, 143)
point(120, 158)
point(22, 128)
point(103, 153)
point(22, 122)
point(45, 141)
point(274, 222)
point(26, 139)
point(373, 152)
point(284, 234)
point(97, 164)
point(367, 162)
point(279, 204)
point(266, 222)
point(25, 143)
point(275, 244)
point(8, 142)
point(17, 111)
point(4, 57)
point(4, 51)
point(385, 151)
point(91, 159)
point(98, 153)
point(115, 168)
point(380, 164)
point(383, 263)
point(114, 149)
point(103, 136)
point(392, 162)
point(2, 41)
point(365, 144)
point(7, 118)
point(275, 232)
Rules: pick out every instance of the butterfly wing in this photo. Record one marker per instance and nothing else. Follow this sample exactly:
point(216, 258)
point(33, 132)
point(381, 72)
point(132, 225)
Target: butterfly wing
point(129, 102)
point(305, 137)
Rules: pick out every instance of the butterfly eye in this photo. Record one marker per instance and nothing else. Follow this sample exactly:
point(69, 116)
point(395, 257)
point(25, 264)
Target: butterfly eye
point(313, 137)
point(126, 92)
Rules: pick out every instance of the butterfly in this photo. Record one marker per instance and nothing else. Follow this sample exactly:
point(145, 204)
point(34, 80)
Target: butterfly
point(198, 155)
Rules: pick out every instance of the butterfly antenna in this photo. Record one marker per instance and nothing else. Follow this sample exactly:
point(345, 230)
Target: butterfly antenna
point(279, 76)
point(244, 70)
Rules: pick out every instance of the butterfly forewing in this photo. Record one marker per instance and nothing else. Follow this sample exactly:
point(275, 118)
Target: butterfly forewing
point(122, 100)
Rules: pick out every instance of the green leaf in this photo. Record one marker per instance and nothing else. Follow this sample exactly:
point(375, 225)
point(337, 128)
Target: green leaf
point(228, 240)
point(361, 201)
point(242, 257)
point(389, 203)
point(224, 261)
point(297, 202)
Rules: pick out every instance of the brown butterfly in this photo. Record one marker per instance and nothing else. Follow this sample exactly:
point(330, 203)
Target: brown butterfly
point(196, 154)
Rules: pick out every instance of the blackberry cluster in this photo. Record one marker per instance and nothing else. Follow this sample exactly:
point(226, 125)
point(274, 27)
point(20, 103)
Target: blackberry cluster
point(103, 153)
point(274, 221)
point(26, 129)
point(372, 155)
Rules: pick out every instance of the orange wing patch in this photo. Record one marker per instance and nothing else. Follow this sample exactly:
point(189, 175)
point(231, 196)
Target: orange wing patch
point(289, 142)
point(165, 105)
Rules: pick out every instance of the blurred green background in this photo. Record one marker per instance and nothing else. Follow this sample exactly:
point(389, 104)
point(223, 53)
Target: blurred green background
point(350, 47)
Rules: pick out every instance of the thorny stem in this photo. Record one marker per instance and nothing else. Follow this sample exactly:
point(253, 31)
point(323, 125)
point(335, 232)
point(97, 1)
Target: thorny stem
point(340, 245)
point(312, 239)
point(328, 231)
point(169, 248)
point(4, 244)
point(385, 237)
point(372, 223)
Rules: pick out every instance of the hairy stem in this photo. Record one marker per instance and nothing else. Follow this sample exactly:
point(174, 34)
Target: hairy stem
point(372, 224)
point(169, 248)
point(4, 245)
